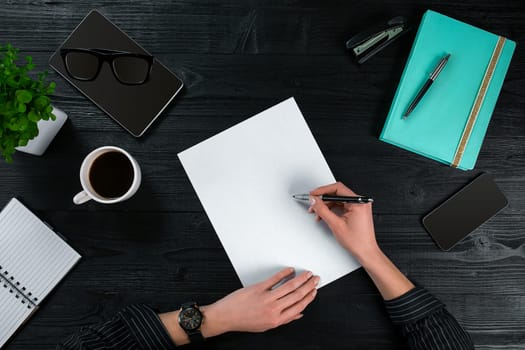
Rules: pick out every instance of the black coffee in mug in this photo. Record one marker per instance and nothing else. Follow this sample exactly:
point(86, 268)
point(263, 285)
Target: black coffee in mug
point(111, 174)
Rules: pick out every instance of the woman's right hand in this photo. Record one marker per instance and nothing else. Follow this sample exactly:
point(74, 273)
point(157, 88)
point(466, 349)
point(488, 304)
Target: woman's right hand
point(353, 227)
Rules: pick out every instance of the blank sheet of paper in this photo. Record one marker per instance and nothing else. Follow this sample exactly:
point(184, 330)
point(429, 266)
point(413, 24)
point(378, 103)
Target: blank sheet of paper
point(245, 177)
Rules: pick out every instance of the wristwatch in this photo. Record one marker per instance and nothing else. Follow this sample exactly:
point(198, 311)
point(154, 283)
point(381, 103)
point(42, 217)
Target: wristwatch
point(190, 319)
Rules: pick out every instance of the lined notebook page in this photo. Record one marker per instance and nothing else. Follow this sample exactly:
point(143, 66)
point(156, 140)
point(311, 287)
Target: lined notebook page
point(30, 252)
point(13, 313)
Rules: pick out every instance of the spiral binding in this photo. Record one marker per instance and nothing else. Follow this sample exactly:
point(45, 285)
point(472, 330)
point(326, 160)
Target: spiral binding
point(14, 286)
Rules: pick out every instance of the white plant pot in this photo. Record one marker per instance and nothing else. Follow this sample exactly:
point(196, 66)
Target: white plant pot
point(47, 130)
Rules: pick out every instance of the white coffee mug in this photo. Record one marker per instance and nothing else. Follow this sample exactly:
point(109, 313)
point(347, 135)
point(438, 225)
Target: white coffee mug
point(89, 192)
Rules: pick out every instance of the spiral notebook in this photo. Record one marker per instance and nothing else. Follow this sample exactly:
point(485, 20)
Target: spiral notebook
point(33, 260)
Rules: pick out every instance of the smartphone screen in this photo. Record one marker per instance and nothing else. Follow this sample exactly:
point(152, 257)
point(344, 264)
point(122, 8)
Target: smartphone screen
point(464, 212)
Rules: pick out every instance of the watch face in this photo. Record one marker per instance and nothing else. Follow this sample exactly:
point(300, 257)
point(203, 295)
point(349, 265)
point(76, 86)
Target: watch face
point(190, 318)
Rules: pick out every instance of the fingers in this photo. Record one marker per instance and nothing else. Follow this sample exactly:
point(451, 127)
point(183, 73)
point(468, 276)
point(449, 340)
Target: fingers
point(291, 319)
point(293, 297)
point(299, 293)
point(337, 188)
point(327, 215)
point(278, 277)
point(329, 205)
point(292, 312)
point(292, 285)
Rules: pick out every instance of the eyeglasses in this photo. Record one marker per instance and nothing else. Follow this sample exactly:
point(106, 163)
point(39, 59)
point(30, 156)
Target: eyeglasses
point(85, 64)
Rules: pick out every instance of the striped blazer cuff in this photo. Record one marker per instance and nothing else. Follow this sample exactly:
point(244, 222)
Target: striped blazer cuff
point(412, 306)
point(147, 328)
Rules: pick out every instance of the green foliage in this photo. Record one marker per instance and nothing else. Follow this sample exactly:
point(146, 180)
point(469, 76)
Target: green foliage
point(23, 101)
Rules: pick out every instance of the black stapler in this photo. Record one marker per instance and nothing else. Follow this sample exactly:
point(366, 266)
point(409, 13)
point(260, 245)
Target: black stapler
point(366, 44)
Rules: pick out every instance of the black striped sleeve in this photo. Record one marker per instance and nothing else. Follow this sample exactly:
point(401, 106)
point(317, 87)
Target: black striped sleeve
point(136, 327)
point(425, 323)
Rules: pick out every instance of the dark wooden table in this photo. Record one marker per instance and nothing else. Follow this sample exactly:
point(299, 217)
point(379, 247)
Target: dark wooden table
point(236, 59)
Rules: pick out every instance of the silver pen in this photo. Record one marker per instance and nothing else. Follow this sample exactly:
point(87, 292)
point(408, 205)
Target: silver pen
point(345, 199)
point(427, 85)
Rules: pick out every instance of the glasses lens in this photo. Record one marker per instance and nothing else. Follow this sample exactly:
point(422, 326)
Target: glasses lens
point(131, 70)
point(82, 65)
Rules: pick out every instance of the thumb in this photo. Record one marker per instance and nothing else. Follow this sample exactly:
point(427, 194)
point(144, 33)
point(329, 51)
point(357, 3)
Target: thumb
point(322, 210)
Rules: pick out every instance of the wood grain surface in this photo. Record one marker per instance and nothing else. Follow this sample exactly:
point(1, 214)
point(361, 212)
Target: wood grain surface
point(236, 59)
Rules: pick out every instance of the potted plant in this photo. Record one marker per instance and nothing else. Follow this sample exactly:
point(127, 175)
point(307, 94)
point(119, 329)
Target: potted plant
point(25, 107)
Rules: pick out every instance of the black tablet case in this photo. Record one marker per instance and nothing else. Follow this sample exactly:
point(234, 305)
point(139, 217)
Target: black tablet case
point(134, 107)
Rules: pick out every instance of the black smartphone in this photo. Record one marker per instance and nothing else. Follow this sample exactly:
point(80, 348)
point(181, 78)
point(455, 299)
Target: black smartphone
point(465, 211)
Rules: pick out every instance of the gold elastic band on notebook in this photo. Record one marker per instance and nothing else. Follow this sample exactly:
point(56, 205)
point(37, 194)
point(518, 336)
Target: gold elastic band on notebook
point(478, 102)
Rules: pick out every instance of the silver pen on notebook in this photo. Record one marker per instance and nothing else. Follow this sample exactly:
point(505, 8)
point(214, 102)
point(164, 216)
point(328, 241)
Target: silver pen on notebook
point(427, 85)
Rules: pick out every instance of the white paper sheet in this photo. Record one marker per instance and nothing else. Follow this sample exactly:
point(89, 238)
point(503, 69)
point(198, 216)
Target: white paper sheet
point(245, 177)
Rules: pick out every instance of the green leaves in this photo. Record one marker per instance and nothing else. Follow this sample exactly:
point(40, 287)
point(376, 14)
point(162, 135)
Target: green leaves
point(33, 116)
point(24, 96)
point(42, 102)
point(24, 101)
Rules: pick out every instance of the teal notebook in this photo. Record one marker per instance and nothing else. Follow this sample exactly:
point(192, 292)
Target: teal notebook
point(450, 122)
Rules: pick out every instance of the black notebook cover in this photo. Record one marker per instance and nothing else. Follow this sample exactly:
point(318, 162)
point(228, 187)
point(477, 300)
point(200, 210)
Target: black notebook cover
point(134, 107)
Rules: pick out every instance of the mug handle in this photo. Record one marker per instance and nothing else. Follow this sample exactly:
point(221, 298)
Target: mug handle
point(81, 197)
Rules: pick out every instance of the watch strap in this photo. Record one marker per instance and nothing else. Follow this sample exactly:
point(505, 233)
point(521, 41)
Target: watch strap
point(189, 304)
point(194, 335)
